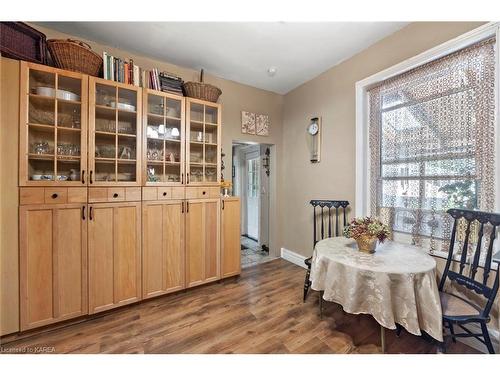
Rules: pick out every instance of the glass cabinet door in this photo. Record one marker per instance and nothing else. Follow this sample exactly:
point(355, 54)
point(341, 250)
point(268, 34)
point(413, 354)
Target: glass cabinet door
point(114, 133)
point(53, 126)
point(203, 143)
point(164, 132)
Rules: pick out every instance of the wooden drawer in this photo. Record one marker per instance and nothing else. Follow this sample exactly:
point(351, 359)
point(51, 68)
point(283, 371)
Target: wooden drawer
point(31, 195)
point(149, 193)
point(77, 195)
point(162, 193)
point(98, 195)
point(133, 194)
point(55, 195)
point(178, 193)
point(202, 192)
point(114, 194)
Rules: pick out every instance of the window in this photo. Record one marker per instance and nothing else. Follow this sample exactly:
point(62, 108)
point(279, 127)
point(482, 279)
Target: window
point(432, 143)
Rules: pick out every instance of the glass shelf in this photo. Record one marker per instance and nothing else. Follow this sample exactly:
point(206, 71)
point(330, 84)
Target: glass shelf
point(202, 142)
point(53, 124)
point(164, 136)
point(116, 142)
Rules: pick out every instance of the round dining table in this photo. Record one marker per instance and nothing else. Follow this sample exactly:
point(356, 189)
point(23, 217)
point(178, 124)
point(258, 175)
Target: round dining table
point(396, 284)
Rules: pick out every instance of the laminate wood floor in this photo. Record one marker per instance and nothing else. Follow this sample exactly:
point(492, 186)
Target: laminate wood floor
point(259, 312)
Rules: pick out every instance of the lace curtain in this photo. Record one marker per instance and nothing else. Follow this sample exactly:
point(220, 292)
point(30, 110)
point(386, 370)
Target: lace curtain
point(432, 144)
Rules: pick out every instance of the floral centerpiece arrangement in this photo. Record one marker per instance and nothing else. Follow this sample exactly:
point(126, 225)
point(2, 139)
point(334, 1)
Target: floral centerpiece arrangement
point(366, 231)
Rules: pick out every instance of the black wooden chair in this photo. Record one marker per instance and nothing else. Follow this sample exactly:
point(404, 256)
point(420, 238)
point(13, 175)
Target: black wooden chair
point(328, 209)
point(456, 310)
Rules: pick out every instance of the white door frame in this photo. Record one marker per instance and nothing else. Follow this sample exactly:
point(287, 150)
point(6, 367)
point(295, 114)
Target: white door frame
point(273, 240)
point(251, 155)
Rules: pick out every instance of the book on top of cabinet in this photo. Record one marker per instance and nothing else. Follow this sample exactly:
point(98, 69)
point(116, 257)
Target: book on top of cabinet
point(126, 71)
point(120, 70)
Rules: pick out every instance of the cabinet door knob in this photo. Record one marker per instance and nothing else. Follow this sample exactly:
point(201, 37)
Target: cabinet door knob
point(115, 195)
point(164, 193)
point(54, 196)
point(83, 212)
point(83, 176)
point(204, 192)
point(90, 213)
point(91, 177)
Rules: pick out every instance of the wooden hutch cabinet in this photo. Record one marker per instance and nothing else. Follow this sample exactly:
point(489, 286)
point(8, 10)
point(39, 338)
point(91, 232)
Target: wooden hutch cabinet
point(119, 196)
point(115, 134)
point(163, 212)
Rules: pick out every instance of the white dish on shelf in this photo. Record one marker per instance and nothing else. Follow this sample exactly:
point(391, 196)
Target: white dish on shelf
point(61, 94)
point(45, 91)
point(36, 177)
point(124, 106)
point(151, 132)
point(67, 95)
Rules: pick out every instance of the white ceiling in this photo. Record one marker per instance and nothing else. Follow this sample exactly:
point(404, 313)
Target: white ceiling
point(241, 51)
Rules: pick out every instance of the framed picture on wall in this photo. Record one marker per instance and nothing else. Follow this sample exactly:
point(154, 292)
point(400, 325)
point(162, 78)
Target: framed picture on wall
point(262, 124)
point(247, 122)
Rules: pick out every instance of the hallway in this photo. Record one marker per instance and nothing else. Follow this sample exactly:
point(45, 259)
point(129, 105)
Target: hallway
point(252, 253)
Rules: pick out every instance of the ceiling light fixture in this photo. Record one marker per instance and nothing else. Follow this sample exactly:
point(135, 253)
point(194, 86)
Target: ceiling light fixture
point(272, 71)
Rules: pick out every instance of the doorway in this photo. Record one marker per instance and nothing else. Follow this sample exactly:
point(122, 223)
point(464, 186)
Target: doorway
point(250, 167)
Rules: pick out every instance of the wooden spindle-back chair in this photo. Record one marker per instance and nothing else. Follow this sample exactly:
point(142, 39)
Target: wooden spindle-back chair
point(329, 211)
point(457, 310)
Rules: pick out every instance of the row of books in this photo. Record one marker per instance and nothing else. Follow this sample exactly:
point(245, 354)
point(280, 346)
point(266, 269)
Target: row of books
point(125, 71)
point(164, 81)
point(119, 70)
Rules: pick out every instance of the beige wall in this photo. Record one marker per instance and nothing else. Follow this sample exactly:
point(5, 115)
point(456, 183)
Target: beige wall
point(332, 96)
point(235, 98)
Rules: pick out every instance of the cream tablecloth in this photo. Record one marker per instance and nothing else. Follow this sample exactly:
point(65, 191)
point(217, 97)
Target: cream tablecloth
point(397, 284)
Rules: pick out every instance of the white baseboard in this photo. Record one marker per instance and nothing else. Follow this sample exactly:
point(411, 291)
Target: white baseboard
point(293, 257)
point(298, 259)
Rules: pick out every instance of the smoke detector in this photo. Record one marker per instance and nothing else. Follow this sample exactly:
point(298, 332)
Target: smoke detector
point(271, 72)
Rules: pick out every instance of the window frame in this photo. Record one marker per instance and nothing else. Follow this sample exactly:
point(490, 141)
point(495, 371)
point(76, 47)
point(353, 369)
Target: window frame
point(362, 193)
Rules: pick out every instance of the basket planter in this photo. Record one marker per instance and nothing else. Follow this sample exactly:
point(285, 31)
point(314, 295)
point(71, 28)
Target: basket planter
point(203, 91)
point(367, 244)
point(74, 55)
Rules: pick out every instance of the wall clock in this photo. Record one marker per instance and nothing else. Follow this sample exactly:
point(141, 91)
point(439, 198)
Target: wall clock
point(314, 135)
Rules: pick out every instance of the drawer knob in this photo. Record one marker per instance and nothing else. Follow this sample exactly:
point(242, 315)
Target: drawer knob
point(204, 192)
point(54, 196)
point(115, 195)
point(164, 193)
